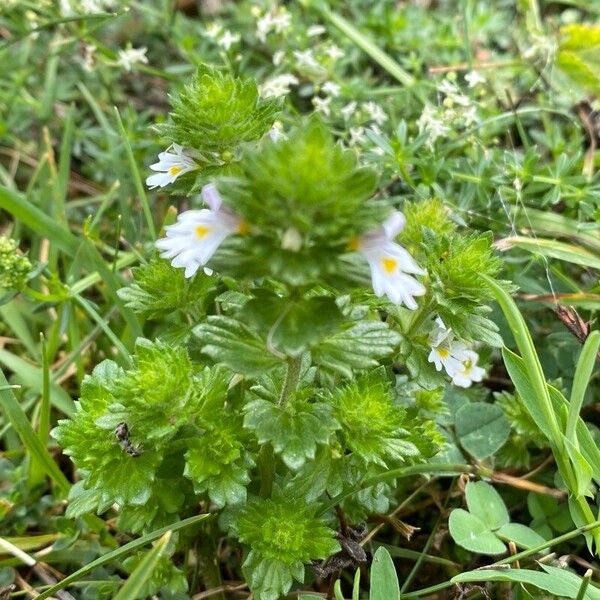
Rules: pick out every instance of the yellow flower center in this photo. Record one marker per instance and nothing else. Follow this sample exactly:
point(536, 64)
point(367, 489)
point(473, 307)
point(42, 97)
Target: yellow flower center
point(389, 264)
point(201, 231)
point(443, 352)
point(354, 244)
point(243, 228)
point(175, 170)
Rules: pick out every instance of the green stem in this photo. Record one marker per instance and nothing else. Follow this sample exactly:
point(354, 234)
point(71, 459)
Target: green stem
point(396, 474)
point(509, 559)
point(420, 316)
point(266, 456)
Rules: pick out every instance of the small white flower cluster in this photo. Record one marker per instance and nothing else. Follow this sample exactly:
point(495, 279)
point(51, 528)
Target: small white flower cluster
point(371, 117)
point(69, 8)
point(456, 110)
point(129, 57)
point(277, 21)
point(223, 37)
point(454, 356)
point(278, 85)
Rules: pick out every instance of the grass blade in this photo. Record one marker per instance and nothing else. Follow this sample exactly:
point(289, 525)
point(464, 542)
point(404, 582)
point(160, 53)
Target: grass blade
point(583, 372)
point(15, 414)
point(552, 249)
point(368, 46)
point(119, 553)
point(144, 570)
point(137, 179)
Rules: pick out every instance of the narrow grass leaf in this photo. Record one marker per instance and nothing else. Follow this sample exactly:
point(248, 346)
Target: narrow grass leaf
point(144, 571)
point(15, 414)
point(119, 553)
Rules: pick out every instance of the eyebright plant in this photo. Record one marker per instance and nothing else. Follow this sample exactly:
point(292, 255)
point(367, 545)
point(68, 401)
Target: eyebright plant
point(286, 304)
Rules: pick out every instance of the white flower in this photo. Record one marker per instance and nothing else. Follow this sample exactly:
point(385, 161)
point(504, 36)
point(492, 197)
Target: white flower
point(278, 86)
point(446, 352)
point(469, 371)
point(130, 56)
point(375, 112)
point(470, 116)
point(276, 132)
point(172, 163)
point(315, 30)
point(66, 8)
point(281, 21)
point(213, 30)
point(191, 242)
point(228, 39)
point(348, 110)
point(278, 57)
point(306, 59)
point(474, 78)
point(357, 135)
point(390, 263)
point(278, 23)
point(334, 52)
point(88, 60)
point(448, 88)
point(430, 124)
point(263, 27)
point(331, 88)
point(322, 105)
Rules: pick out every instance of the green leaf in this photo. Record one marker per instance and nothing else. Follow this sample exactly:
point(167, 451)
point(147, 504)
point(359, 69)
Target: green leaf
point(227, 340)
point(269, 578)
point(160, 289)
point(486, 503)
point(294, 430)
point(217, 112)
point(357, 348)
point(292, 325)
point(554, 249)
point(119, 553)
point(17, 417)
point(384, 581)
point(472, 533)
point(558, 582)
point(583, 372)
point(523, 536)
point(377, 430)
point(140, 575)
point(579, 53)
point(481, 428)
point(217, 463)
point(37, 220)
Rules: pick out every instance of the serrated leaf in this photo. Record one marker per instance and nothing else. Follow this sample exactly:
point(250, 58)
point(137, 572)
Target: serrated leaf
point(269, 578)
point(293, 325)
point(357, 348)
point(486, 504)
point(481, 428)
point(218, 463)
point(579, 54)
point(294, 430)
point(216, 112)
point(160, 289)
point(472, 533)
point(228, 341)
